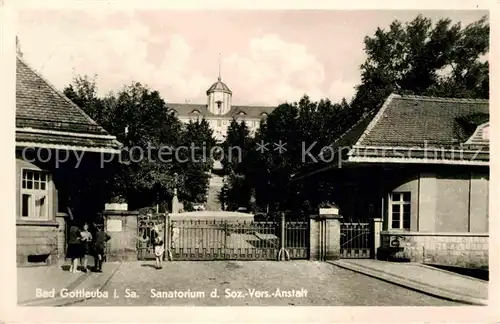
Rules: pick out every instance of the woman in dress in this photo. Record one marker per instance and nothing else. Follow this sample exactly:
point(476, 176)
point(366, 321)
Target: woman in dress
point(86, 239)
point(74, 251)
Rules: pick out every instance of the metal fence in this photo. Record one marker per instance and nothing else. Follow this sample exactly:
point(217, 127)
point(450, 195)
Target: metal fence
point(221, 239)
point(355, 241)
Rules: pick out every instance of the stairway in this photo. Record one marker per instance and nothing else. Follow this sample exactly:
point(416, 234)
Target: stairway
point(215, 187)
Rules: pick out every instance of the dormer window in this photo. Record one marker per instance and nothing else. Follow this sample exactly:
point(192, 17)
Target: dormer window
point(240, 116)
point(195, 116)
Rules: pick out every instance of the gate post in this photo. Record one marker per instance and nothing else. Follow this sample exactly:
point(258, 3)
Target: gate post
point(376, 229)
point(324, 237)
point(62, 234)
point(283, 254)
point(168, 239)
point(122, 227)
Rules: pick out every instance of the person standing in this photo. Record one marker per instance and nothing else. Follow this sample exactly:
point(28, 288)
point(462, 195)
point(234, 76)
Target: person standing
point(74, 251)
point(159, 248)
point(86, 239)
point(101, 238)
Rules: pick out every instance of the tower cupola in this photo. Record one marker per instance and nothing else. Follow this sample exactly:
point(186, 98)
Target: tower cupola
point(219, 97)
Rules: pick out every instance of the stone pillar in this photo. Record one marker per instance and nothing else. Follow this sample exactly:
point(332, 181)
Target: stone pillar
point(122, 227)
point(324, 240)
point(62, 220)
point(376, 229)
point(175, 203)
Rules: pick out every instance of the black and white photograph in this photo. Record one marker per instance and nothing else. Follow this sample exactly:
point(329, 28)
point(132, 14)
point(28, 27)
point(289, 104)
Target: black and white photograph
point(168, 157)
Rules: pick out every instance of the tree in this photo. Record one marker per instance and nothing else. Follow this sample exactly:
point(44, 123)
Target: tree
point(83, 92)
point(236, 147)
point(423, 58)
point(195, 161)
point(138, 117)
point(288, 131)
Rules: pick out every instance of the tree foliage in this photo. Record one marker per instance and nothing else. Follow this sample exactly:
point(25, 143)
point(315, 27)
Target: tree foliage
point(236, 147)
point(153, 137)
point(195, 160)
point(422, 58)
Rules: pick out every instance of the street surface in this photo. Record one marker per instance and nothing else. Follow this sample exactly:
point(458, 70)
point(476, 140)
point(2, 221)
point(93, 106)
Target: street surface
point(253, 283)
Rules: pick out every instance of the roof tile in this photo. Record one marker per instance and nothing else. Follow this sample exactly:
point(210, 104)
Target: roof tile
point(39, 104)
point(416, 121)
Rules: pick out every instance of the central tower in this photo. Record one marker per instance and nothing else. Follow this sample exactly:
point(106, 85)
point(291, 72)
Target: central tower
point(219, 97)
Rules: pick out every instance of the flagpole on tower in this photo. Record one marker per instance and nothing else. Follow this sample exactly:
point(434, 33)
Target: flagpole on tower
point(219, 78)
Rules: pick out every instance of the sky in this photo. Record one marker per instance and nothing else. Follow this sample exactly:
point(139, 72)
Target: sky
point(267, 57)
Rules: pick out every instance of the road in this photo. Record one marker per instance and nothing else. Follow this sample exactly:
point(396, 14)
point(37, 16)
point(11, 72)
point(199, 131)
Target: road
point(253, 283)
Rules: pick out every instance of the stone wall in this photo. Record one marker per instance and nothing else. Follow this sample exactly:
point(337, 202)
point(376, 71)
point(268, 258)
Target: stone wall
point(469, 250)
point(37, 244)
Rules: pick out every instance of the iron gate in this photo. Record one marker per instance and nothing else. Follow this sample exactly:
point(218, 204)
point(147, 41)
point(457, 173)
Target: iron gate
point(355, 241)
point(221, 239)
point(148, 226)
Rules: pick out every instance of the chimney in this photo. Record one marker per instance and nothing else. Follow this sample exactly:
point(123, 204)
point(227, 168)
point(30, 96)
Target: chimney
point(18, 47)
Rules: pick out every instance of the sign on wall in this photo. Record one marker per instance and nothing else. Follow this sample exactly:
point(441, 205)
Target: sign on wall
point(114, 225)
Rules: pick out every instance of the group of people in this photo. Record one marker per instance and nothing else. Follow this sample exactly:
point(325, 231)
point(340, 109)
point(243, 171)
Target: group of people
point(81, 244)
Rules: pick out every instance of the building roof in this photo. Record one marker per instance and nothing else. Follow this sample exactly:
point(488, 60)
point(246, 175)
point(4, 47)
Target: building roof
point(417, 129)
point(44, 115)
point(410, 121)
point(413, 129)
point(248, 111)
point(219, 86)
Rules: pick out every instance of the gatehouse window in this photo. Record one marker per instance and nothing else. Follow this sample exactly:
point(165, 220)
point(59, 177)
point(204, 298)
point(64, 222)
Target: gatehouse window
point(400, 210)
point(35, 195)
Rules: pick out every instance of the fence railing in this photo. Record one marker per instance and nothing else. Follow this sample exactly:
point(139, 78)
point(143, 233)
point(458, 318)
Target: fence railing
point(148, 226)
point(221, 239)
point(355, 240)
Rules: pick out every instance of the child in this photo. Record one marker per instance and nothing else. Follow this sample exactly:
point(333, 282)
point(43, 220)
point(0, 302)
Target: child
point(158, 247)
point(86, 238)
point(101, 238)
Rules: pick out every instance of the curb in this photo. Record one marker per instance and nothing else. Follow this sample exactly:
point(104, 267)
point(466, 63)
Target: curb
point(409, 284)
point(452, 273)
